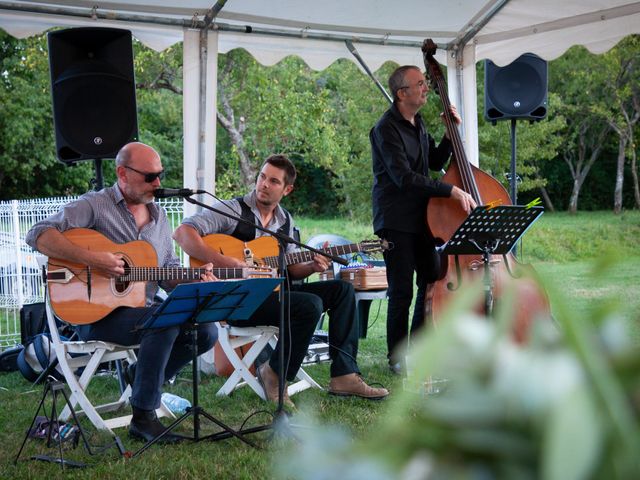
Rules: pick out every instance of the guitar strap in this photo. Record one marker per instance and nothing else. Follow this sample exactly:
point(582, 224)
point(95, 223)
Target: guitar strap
point(245, 232)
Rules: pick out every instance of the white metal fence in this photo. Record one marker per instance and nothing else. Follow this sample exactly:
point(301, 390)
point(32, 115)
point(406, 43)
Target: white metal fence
point(20, 275)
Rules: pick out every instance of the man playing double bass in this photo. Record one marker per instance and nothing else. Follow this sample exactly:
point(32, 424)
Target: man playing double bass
point(403, 152)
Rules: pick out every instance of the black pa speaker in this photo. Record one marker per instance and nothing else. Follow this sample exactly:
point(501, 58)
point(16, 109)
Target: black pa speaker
point(93, 92)
point(518, 90)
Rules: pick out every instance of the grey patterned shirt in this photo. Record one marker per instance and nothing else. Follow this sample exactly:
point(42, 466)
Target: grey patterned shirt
point(107, 213)
point(208, 222)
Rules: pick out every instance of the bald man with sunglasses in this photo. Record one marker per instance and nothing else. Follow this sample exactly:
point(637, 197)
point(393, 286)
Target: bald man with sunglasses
point(123, 213)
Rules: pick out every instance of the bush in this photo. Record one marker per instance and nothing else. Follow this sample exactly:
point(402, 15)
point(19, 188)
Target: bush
point(563, 406)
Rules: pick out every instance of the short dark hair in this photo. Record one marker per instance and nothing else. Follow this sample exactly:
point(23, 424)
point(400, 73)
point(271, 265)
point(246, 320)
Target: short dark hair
point(282, 162)
point(396, 80)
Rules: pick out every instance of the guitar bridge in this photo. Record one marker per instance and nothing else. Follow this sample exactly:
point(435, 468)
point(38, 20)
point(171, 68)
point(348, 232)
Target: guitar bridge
point(248, 256)
point(62, 275)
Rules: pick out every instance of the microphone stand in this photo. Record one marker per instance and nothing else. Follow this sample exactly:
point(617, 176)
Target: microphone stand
point(283, 240)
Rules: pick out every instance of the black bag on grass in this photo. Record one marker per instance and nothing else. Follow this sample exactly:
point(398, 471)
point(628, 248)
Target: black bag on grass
point(9, 359)
point(33, 321)
point(38, 352)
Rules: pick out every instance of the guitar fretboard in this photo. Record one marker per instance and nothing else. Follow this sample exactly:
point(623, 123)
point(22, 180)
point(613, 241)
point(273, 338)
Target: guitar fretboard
point(307, 255)
point(157, 274)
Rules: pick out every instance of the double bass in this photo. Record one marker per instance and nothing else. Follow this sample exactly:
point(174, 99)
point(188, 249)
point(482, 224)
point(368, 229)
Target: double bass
point(444, 216)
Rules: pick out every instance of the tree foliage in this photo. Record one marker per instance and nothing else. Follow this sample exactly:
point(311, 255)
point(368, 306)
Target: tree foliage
point(27, 152)
point(591, 88)
point(322, 121)
point(536, 144)
point(279, 109)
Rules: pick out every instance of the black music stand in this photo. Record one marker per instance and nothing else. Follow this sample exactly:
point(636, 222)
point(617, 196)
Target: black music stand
point(204, 302)
point(490, 231)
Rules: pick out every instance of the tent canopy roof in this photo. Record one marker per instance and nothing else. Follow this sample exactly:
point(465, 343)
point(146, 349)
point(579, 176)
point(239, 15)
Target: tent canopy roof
point(500, 30)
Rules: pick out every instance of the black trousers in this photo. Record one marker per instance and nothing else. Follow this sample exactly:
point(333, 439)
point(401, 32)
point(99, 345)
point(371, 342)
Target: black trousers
point(302, 311)
point(411, 252)
point(338, 300)
point(163, 351)
point(305, 304)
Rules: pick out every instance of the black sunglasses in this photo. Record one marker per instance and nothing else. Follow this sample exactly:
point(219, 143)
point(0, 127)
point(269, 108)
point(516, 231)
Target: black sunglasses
point(148, 177)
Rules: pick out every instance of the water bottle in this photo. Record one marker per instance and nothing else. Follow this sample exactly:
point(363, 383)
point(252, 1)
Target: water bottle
point(175, 403)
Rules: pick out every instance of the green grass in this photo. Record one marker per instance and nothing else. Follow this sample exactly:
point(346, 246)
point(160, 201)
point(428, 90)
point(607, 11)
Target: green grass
point(587, 286)
point(560, 237)
point(225, 459)
point(555, 237)
point(562, 249)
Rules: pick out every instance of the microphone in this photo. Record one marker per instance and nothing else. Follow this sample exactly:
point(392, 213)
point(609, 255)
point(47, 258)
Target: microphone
point(175, 192)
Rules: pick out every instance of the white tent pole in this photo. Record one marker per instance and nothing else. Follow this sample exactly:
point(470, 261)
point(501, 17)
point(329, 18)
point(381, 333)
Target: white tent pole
point(461, 83)
point(208, 161)
point(470, 89)
point(208, 56)
point(190, 111)
point(199, 106)
point(200, 80)
point(203, 45)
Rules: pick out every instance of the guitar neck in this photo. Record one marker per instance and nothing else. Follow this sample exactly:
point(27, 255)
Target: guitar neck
point(158, 274)
point(306, 256)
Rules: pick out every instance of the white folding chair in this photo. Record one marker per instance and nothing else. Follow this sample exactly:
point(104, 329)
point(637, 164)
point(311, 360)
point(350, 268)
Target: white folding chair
point(231, 337)
point(73, 355)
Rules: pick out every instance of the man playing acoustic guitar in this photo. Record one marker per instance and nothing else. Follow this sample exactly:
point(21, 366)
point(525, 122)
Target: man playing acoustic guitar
point(306, 301)
point(124, 213)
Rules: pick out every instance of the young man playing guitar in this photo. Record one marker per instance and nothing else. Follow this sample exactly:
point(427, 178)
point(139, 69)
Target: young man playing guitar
point(306, 301)
point(124, 213)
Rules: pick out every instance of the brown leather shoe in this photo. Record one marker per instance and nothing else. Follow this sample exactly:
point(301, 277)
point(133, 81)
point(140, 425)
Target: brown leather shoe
point(269, 382)
point(352, 384)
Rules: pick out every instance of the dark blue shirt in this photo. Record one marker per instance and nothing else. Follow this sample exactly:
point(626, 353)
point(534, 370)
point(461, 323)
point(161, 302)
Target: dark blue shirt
point(402, 156)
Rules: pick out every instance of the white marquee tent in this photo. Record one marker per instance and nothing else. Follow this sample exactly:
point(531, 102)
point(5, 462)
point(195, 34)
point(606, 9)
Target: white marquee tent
point(381, 30)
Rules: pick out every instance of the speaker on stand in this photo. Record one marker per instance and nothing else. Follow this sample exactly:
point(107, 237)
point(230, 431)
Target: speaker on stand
point(515, 91)
point(93, 94)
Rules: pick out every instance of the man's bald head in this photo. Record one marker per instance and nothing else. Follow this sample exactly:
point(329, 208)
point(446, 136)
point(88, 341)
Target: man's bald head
point(139, 171)
point(132, 150)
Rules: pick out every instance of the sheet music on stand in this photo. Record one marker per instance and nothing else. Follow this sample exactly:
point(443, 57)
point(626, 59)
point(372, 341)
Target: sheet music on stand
point(196, 303)
point(489, 231)
point(228, 300)
point(497, 229)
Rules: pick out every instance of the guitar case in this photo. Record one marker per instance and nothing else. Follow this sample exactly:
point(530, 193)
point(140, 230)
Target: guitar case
point(221, 361)
point(368, 278)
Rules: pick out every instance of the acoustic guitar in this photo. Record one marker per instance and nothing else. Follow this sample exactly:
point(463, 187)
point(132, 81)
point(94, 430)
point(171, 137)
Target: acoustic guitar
point(263, 251)
point(81, 295)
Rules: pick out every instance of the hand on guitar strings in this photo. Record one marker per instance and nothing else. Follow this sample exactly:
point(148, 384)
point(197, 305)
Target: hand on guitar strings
point(320, 262)
point(208, 275)
point(110, 263)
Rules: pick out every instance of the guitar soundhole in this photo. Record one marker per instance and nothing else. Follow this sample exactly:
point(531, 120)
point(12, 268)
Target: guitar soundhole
point(121, 286)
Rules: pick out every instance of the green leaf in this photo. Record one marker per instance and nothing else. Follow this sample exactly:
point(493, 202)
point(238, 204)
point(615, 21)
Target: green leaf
point(574, 438)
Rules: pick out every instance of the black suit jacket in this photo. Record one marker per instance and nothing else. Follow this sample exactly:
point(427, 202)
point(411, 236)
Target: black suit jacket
point(402, 156)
